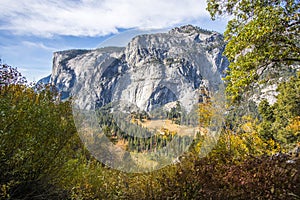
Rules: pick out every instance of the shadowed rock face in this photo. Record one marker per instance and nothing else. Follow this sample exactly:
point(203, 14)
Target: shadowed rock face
point(151, 71)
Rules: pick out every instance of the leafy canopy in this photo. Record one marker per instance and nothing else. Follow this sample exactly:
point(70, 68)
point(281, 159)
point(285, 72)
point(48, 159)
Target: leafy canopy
point(262, 36)
point(36, 132)
point(281, 121)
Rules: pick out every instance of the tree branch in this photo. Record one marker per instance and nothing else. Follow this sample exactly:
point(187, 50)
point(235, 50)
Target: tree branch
point(286, 59)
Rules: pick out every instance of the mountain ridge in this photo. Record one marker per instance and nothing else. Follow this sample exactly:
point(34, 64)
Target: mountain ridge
point(151, 71)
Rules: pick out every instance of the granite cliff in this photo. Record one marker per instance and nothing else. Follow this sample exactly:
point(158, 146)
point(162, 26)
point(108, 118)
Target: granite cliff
point(151, 71)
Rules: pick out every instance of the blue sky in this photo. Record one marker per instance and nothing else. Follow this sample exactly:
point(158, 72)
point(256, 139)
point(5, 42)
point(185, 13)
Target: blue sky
point(31, 30)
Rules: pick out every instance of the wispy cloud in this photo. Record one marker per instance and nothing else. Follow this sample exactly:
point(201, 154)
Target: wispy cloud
point(38, 45)
point(94, 17)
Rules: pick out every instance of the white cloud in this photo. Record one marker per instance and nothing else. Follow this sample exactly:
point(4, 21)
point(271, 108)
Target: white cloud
point(94, 17)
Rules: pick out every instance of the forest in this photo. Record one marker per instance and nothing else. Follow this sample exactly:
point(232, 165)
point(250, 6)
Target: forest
point(256, 155)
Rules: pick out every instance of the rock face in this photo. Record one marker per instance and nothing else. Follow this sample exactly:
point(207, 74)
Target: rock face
point(151, 71)
point(44, 80)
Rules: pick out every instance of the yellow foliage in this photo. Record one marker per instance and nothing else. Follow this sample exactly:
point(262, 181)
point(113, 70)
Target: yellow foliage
point(173, 133)
point(272, 146)
point(246, 142)
point(205, 114)
point(247, 127)
point(294, 125)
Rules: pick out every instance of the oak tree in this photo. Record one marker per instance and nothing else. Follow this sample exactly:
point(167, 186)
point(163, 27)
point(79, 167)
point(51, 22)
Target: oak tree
point(262, 36)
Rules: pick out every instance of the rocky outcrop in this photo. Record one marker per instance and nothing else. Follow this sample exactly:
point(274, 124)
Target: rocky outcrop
point(151, 71)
